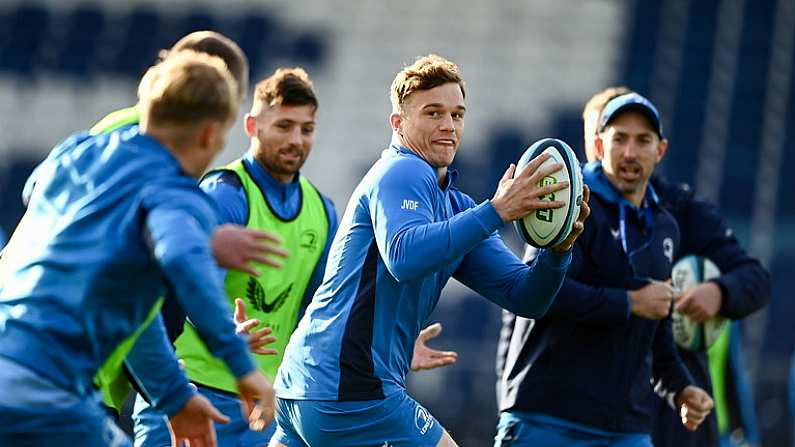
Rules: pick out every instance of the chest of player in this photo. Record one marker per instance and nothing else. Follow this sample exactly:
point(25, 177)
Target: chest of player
point(631, 242)
point(276, 294)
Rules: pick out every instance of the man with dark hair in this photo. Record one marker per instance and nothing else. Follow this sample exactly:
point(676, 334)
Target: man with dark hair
point(580, 374)
point(405, 232)
point(265, 191)
point(742, 288)
point(111, 221)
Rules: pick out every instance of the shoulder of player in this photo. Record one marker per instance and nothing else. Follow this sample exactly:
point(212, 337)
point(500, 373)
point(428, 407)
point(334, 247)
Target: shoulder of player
point(180, 191)
point(328, 204)
point(674, 196)
point(401, 170)
point(221, 178)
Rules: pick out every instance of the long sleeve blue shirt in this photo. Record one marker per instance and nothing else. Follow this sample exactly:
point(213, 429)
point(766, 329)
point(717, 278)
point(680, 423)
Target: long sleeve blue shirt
point(401, 238)
point(110, 220)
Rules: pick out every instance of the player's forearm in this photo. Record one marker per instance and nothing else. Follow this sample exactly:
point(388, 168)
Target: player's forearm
point(205, 303)
point(538, 286)
point(745, 290)
point(154, 367)
point(419, 250)
point(669, 374)
point(183, 253)
point(583, 303)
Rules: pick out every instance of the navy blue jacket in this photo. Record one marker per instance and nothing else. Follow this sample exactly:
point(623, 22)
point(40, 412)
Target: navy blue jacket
point(745, 287)
point(588, 360)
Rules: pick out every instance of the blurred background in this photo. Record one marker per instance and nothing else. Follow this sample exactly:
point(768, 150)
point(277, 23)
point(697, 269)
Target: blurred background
point(721, 73)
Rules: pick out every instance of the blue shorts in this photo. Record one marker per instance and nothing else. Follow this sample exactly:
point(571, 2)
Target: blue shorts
point(397, 421)
point(151, 431)
point(37, 413)
point(522, 430)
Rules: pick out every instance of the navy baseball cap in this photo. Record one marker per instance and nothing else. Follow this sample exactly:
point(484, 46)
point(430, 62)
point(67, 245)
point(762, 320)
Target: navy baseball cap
point(635, 102)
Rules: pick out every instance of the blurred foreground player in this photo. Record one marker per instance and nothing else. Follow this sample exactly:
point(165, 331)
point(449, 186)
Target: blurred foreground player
point(110, 220)
point(265, 191)
point(234, 247)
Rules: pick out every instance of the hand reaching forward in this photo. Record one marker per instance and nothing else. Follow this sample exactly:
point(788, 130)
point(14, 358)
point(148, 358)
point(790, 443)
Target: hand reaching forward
point(257, 399)
point(258, 339)
point(193, 424)
point(236, 247)
point(427, 358)
point(518, 196)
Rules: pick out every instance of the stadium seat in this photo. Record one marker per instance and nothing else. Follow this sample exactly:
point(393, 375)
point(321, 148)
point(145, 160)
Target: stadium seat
point(257, 34)
point(177, 26)
point(139, 44)
point(309, 48)
point(23, 42)
point(77, 55)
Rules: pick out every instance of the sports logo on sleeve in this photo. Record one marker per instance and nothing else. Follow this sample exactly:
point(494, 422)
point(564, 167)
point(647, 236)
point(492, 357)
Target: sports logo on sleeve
point(423, 420)
point(411, 205)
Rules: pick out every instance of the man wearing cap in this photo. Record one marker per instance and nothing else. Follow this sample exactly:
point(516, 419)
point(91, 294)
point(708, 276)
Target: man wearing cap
point(742, 288)
point(581, 375)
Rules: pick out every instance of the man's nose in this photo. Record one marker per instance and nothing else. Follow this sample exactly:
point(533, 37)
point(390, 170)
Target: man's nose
point(447, 124)
point(295, 136)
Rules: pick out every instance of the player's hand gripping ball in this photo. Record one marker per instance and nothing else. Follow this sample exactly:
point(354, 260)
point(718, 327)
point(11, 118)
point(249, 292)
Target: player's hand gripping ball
point(545, 228)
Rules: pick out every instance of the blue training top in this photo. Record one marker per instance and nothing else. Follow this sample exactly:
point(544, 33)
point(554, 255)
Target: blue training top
point(401, 238)
point(111, 219)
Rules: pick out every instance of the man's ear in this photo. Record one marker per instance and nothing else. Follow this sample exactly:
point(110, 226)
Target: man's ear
point(662, 148)
point(598, 148)
point(207, 133)
point(395, 120)
point(250, 125)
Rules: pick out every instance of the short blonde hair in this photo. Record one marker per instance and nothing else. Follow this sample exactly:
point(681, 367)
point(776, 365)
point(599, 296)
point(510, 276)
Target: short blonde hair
point(186, 88)
point(425, 73)
point(288, 86)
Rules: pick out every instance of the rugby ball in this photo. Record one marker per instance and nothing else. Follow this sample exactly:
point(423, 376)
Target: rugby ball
point(686, 273)
point(546, 228)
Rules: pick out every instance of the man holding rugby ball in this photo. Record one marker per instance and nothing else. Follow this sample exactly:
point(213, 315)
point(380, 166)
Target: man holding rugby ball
point(407, 229)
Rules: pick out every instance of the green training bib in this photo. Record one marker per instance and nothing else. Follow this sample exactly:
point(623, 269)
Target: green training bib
point(274, 298)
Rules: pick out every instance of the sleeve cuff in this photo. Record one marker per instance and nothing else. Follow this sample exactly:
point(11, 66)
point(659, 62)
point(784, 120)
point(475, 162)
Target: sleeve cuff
point(724, 296)
point(488, 217)
point(622, 296)
point(173, 403)
point(557, 261)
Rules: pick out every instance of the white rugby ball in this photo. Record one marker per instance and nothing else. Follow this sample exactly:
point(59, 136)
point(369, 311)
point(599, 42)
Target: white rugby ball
point(686, 273)
point(549, 227)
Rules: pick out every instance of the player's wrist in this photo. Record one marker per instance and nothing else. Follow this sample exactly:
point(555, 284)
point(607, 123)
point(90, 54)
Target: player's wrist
point(499, 208)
